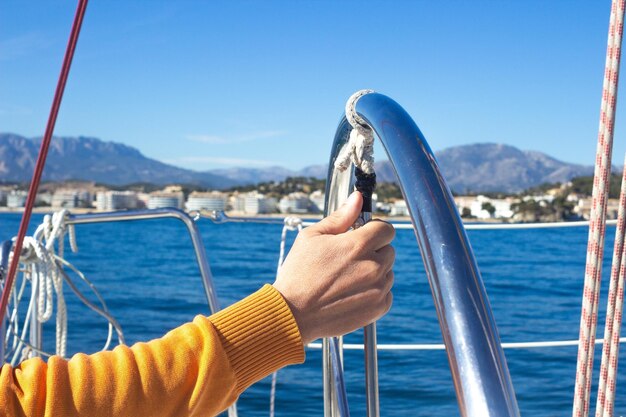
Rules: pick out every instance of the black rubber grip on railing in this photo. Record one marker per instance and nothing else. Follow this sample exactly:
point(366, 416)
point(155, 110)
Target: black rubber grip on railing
point(365, 183)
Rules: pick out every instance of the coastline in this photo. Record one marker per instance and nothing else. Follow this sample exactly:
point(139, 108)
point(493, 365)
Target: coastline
point(304, 216)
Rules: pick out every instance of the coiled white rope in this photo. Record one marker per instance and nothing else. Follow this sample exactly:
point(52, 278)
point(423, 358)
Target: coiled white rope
point(46, 283)
point(360, 147)
point(38, 259)
point(291, 224)
point(43, 268)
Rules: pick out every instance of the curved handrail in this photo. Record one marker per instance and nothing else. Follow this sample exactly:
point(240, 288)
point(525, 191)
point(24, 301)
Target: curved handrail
point(479, 370)
point(167, 212)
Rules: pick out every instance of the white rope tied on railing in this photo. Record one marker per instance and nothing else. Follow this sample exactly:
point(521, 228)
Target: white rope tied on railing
point(360, 147)
point(615, 302)
point(44, 273)
point(46, 283)
point(44, 269)
point(595, 247)
point(291, 224)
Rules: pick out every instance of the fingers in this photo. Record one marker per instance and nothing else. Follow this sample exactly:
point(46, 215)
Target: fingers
point(376, 234)
point(342, 219)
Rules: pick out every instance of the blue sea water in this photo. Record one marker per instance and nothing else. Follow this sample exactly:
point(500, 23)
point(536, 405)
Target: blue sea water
point(148, 276)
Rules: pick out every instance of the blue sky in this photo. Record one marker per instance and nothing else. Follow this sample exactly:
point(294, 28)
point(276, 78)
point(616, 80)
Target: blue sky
point(213, 84)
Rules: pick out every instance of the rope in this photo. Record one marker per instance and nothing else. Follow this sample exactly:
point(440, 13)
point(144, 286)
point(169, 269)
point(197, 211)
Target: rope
point(360, 147)
point(44, 269)
point(47, 282)
point(291, 224)
point(44, 273)
point(610, 351)
point(104, 311)
point(593, 269)
point(43, 152)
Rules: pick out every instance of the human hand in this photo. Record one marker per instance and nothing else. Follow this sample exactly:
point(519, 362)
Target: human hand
point(336, 281)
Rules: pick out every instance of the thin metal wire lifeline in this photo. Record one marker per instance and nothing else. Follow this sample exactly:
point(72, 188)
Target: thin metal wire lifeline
point(440, 346)
point(220, 217)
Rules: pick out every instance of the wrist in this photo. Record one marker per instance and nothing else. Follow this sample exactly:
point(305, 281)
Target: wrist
point(297, 314)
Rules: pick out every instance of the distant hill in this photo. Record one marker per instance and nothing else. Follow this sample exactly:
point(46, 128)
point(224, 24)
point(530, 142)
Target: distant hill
point(92, 159)
point(468, 168)
point(245, 176)
point(497, 167)
point(482, 167)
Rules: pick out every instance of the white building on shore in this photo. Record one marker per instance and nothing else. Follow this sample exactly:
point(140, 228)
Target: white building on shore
point(583, 208)
point(399, 208)
point(294, 203)
point(483, 207)
point(16, 199)
point(68, 198)
point(213, 200)
point(487, 208)
point(164, 199)
point(255, 203)
point(318, 198)
point(116, 200)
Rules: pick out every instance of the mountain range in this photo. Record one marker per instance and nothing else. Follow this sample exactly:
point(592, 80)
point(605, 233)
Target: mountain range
point(468, 168)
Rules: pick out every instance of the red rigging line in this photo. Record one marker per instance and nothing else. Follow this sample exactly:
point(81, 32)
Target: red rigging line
point(43, 153)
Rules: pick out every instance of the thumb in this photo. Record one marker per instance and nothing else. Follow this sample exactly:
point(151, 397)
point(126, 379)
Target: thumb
point(343, 218)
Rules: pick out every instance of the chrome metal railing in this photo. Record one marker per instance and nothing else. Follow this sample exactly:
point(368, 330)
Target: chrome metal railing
point(479, 370)
point(5, 251)
point(192, 228)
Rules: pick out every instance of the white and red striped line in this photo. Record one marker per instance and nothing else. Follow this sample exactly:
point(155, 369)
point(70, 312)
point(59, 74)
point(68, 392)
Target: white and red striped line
point(597, 226)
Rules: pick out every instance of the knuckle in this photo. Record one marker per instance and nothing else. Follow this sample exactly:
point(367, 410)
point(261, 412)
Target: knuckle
point(389, 281)
point(358, 246)
point(388, 302)
point(390, 229)
point(389, 252)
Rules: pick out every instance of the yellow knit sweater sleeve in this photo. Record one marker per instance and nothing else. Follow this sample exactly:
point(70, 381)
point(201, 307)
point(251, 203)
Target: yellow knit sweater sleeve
point(198, 369)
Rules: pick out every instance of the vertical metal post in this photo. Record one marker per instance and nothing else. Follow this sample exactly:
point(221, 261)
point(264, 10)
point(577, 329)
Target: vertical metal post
point(36, 327)
point(371, 370)
point(366, 184)
point(5, 250)
point(338, 188)
point(371, 358)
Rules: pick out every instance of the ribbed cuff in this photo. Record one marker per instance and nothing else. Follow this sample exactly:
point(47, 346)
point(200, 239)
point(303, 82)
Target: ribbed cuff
point(259, 335)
